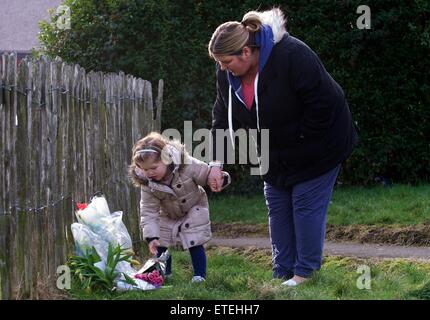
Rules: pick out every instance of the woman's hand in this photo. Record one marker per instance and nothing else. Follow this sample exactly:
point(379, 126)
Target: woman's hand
point(153, 245)
point(215, 179)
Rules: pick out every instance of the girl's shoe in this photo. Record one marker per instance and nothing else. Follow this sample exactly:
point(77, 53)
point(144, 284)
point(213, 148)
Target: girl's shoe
point(197, 279)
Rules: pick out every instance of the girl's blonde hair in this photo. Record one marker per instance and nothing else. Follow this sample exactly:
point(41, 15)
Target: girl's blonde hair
point(148, 148)
point(230, 37)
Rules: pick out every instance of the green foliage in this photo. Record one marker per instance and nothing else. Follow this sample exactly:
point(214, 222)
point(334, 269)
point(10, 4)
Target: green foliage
point(423, 293)
point(91, 278)
point(383, 71)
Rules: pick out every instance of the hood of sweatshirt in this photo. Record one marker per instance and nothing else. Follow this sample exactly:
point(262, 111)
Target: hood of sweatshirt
point(271, 32)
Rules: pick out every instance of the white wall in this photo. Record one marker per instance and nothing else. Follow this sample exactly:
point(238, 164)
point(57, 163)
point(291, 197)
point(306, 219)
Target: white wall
point(19, 22)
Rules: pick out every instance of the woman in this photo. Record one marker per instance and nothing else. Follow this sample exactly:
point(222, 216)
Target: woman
point(267, 79)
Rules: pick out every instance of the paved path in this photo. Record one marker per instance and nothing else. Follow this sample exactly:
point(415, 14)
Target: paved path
point(337, 249)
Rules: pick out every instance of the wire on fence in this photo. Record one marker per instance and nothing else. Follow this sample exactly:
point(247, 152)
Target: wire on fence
point(16, 208)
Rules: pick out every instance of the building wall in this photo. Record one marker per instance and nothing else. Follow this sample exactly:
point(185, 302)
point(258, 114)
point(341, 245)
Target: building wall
point(19, 23)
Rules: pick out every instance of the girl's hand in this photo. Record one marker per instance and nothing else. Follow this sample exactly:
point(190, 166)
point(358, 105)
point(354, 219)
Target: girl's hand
point(215, 179)
point(153, 245)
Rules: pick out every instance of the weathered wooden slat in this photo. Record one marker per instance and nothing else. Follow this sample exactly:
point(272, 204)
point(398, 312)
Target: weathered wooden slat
point(141, 112)
point(32, 237)
point(135, 135)
point(7, 137)
point(111, 138)
point(3, 116)
point(6, 280)
point(118, 85)
point(89, 136)
point(74, 136)
point(22, 137)
point(33, 101)
point(81, 179)
point(13, 75)
point(159, 104)
point(5, 274)
point(101, 139)
point(127, 82)
point(107, 133)
point(66, 159)
point(138, 127)
point(10, 170)
point(123, 148)
point(149, 106)
point(95, 120)
point(56, 151)
point(45, 182)
point(82, 145)
point(22, 249)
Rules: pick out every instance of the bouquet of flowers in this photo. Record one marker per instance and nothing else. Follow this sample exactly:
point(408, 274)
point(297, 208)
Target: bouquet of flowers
point(104, 238)
point(154, 270)
point(154, 278)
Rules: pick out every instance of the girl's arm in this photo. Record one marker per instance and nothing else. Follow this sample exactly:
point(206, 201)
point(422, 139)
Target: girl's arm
point(198, 170)
point(149, 214)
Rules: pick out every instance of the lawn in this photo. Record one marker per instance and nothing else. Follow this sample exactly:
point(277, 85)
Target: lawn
point(246, 274)
point(400, 205)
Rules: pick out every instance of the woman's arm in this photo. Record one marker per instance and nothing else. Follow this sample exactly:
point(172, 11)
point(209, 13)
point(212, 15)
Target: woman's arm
point(219, 121)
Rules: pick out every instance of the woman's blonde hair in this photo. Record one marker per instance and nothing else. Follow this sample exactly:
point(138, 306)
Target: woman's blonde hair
point(230, 37)
point(148, 148)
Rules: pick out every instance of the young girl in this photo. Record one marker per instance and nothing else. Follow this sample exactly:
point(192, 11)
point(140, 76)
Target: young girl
point(174, 207)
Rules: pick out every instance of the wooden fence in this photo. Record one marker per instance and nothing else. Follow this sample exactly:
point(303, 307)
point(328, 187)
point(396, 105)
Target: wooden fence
point(65, 135)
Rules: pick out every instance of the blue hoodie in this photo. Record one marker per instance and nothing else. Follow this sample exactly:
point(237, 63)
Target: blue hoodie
point(265, 41)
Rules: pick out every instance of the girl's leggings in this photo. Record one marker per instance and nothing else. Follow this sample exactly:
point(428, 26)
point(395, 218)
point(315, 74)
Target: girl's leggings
point(198, 258)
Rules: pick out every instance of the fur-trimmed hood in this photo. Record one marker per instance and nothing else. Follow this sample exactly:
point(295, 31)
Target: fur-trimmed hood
point(175, 154)
point(276, 21)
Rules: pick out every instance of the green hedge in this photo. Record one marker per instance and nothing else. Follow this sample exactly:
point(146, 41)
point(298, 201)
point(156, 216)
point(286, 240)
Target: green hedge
point(384, 71)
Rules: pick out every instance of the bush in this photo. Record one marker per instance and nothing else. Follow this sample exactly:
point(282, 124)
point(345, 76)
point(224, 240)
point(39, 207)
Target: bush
point(383, 71)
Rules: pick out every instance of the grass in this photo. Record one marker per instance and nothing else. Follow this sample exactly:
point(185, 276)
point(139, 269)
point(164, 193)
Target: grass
point(246, 274)
point(400, 205)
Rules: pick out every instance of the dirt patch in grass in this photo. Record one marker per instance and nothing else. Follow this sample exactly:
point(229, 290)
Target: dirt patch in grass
point(416, 235)
point(236, 230)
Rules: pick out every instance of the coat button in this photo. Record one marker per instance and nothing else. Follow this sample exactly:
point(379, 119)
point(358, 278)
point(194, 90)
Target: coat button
point(187, 225)
point(197, 208)
point(178, 186)
point(183, 200)
point(192, 243)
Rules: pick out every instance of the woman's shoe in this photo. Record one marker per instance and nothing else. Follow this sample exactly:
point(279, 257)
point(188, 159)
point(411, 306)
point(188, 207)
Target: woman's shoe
point(197, 279)
point(294, 283)
point(290, 283)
